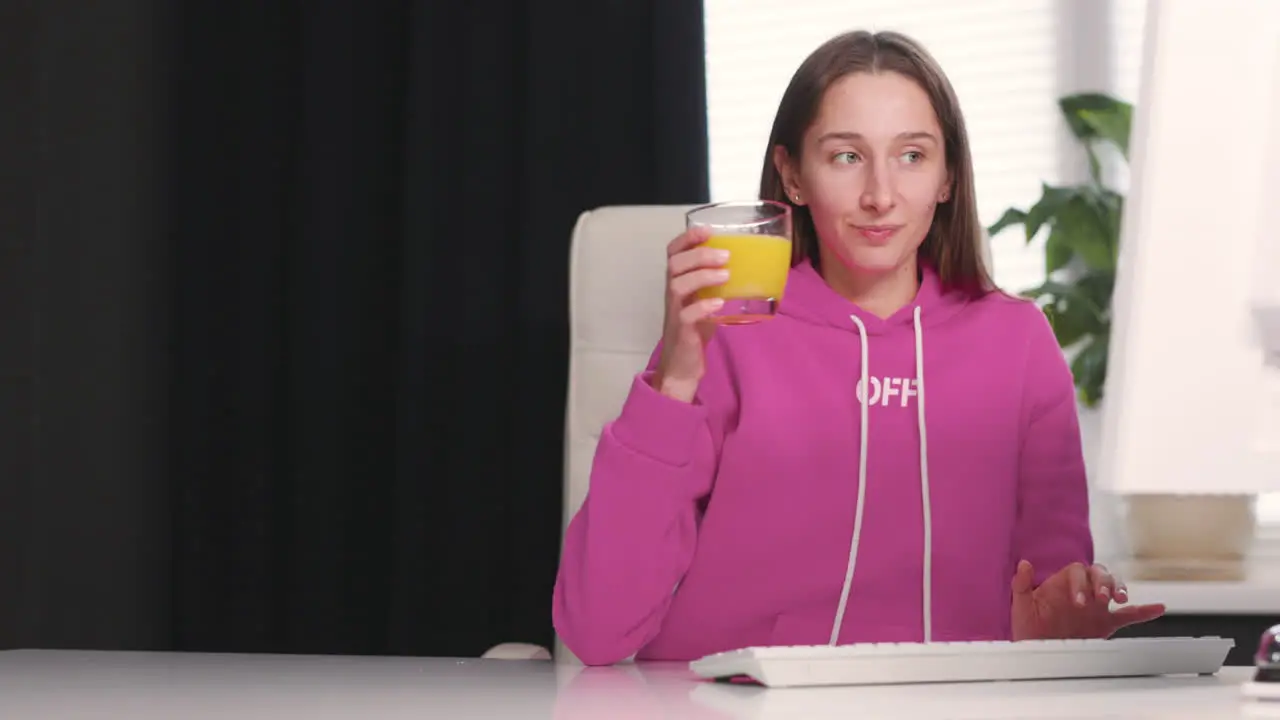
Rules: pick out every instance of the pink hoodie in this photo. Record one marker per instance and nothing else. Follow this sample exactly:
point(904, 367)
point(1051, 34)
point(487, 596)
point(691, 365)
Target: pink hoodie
point(779, 508)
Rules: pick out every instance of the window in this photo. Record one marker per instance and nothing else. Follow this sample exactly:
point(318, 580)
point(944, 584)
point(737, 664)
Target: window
point(999, 54)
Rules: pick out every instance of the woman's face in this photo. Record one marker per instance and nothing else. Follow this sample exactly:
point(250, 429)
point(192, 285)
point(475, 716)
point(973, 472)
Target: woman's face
point(872, 170)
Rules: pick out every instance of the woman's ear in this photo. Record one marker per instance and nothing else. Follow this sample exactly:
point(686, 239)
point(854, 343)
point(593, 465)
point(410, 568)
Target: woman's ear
point(789, 174)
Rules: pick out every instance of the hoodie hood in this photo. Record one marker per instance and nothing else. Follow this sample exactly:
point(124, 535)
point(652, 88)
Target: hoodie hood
point(809, 298)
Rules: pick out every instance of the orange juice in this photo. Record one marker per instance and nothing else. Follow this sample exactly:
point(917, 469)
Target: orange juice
point(758, 267)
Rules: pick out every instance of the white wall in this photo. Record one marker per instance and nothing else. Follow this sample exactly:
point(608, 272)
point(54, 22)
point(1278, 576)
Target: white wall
point(1184, 406)
point(1266, 281)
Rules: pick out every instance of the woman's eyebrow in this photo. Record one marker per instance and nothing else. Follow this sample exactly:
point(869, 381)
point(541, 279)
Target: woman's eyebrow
point(847, 136)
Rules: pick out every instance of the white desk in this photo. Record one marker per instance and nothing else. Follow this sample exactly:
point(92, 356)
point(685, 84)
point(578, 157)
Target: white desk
point(44, 685)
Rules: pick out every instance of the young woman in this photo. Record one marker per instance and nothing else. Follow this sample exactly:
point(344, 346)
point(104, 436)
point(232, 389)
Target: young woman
point(785, 483)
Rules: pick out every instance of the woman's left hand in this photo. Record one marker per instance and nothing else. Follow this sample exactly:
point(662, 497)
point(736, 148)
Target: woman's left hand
point(1075, 602)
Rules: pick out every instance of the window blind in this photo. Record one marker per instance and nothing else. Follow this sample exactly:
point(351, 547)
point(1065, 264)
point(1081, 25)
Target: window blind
point(1000, 56)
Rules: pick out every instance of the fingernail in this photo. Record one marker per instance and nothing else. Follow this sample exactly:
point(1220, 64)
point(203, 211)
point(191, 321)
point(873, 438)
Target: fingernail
point(1104, 593)
point(716, 303)
point(722, 274)
point(1080, 598)
point(722, 256)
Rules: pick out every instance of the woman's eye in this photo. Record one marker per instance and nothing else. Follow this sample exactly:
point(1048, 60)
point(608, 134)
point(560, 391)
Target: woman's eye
point(913, 156)
point(846, 157)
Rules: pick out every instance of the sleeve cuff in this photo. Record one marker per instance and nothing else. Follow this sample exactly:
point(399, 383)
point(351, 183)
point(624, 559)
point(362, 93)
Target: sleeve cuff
point(660, 427)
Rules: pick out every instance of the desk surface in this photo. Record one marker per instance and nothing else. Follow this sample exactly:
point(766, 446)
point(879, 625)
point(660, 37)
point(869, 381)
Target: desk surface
point(145, 686)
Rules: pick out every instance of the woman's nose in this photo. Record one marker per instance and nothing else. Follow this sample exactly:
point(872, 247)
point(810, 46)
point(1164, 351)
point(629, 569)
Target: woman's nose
point(877, 196)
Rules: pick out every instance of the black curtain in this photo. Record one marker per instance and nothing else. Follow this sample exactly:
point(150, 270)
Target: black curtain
point(372, 208)
point(84, 491)
point(340, 394)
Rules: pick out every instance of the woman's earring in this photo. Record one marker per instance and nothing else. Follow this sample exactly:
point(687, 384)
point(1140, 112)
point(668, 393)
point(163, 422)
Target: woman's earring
point(797, 198)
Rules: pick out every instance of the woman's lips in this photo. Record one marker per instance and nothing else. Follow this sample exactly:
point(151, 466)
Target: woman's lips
point(878, 233)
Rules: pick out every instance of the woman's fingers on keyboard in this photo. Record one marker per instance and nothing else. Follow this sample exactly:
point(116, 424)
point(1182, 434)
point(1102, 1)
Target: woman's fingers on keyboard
point(1078, 582)
point(1134, 614)
point(1122, 592)
point(1103, 582)
point(1024, 578)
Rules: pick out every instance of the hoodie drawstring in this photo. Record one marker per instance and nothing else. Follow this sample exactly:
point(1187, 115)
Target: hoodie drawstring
point(865, 403)
point(862, 482)
point(924, 483)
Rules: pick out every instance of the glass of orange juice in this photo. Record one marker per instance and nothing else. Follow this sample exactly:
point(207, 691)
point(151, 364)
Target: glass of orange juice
point(757, 234)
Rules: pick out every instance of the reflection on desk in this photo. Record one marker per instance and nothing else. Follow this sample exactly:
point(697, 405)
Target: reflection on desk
point(150, 686)
point(665, 692)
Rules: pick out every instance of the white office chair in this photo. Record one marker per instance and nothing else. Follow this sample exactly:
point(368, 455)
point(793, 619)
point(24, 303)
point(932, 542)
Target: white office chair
point(617, 273)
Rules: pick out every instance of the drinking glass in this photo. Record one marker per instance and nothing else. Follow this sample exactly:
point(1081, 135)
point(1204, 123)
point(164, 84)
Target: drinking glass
point(757, 234)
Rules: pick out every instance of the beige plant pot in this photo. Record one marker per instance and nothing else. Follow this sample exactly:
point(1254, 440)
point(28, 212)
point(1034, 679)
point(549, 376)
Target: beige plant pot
point(1189, 537)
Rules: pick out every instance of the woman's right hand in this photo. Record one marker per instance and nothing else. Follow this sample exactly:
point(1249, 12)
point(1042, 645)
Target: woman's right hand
point(691, 266)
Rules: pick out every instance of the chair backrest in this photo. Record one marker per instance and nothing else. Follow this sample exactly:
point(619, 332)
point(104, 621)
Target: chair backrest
point(617, 273)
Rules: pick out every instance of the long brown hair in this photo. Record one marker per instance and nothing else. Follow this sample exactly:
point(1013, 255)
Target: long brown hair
point(953, 245)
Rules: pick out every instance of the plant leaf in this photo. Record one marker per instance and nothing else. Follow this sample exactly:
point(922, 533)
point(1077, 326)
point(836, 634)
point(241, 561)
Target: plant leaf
point(1051, 201)
point(1012, 216)
point(1098, 286)
point(1112, 125)
point(1097, 116)
point(1069, 298)
point(1081, 226)
point(1089, 368)
point(1108, 206)
point(1070, 321)
point(1095, 165)
point(1073, 105)
point(1056, 256)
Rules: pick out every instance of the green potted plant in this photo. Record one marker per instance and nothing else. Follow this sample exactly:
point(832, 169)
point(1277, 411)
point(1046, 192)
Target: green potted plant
point(1083, 223)
point(1168, 537)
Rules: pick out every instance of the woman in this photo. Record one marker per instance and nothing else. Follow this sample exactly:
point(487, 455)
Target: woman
point(782, 483)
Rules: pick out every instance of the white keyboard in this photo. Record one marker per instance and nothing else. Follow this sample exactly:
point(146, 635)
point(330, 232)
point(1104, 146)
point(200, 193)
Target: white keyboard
point(898, 663)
